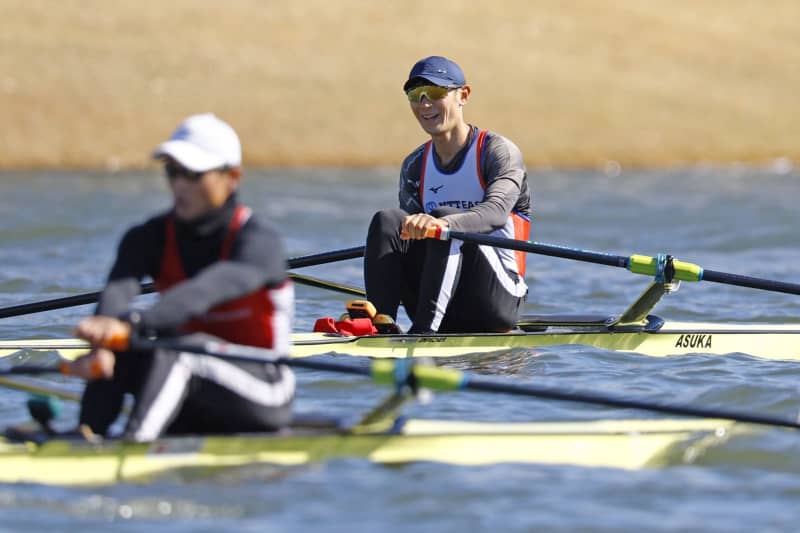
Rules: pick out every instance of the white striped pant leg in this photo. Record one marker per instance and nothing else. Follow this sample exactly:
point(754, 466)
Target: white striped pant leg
point(226, 396)
point(160, 397)
point(441, 273)
point(489, 294)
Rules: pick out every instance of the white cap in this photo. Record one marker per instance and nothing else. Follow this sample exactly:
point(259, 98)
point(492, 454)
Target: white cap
point(202, 142)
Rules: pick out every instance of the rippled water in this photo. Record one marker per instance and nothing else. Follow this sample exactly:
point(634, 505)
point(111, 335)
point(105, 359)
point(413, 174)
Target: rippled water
point(58, 235)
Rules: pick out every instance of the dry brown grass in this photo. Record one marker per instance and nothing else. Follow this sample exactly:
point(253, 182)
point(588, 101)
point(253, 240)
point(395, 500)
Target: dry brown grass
point(93, 83)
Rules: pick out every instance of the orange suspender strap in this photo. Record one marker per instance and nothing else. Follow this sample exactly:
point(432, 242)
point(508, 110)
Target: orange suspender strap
point(522, 229)
point(478, 155)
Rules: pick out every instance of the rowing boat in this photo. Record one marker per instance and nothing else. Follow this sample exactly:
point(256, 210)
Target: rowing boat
point(625, 444)
point(769, 341)
point(382, 435)
point(635, 330)
point(671, 338)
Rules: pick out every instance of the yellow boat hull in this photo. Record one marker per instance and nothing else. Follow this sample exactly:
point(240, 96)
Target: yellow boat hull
point(625, 444)
point(780, 342)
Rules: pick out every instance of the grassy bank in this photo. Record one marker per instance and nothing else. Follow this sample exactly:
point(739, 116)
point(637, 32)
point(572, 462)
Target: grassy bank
point(90, 83)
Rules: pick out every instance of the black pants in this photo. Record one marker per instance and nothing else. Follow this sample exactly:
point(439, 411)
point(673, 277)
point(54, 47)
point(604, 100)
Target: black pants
point(445, 286)
point(189, 393)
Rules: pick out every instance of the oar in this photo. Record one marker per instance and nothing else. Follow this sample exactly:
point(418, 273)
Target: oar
point(55, 303)
point(295, 262)
point(405, 373)
point(638, 264)
point(326, 257)
point(46, 391)
point(34, 370)
point(329, 285)
point(39, 388)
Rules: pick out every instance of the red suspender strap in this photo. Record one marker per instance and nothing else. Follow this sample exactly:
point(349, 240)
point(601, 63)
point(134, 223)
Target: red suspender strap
point(240, 216)
point(170, 270)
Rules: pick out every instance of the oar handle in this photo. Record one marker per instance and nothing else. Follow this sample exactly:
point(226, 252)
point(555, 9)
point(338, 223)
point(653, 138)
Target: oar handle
point(440, 233)
point(120, 342)
point(95, 369)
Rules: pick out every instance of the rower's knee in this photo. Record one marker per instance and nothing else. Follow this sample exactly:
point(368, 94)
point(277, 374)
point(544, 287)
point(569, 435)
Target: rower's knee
point(385, 226)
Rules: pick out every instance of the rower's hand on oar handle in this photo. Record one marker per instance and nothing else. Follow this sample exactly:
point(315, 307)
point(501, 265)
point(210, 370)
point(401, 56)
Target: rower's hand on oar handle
point(441, 233)
point(423, 226)
point(97, 364)
point(105, 331)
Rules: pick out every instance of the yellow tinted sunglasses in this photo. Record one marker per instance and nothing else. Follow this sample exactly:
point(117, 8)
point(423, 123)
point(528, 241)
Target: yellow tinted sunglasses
point(433, 92)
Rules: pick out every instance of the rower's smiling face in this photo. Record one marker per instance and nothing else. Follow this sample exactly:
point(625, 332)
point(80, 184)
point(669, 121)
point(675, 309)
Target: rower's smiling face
point(440, 115)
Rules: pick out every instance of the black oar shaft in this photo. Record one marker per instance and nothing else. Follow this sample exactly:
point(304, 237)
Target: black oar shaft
point(599, 258)
point(402, 373)
point(684, 271)
point(246, 354)
point(481, 384)
point(324, 284)
point(92, 297)
point(29, 370)
point(60, 303)
point(446, 379)
point(753, 283)
point(327, 257)
point(49, 305)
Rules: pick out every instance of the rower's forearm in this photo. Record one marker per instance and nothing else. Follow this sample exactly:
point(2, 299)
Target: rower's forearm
point(117, 296)
point(222, 282)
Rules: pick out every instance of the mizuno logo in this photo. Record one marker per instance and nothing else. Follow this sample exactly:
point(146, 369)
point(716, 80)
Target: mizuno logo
point(435, 190)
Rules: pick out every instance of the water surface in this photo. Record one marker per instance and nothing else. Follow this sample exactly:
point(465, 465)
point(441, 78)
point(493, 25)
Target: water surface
point(58, 236)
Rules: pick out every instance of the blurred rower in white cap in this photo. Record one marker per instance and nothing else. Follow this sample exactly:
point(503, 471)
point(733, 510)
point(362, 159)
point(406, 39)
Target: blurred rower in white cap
point(221, 273)
point(207, 154)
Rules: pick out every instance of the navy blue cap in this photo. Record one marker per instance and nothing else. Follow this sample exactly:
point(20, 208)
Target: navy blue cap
point(437, 70)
